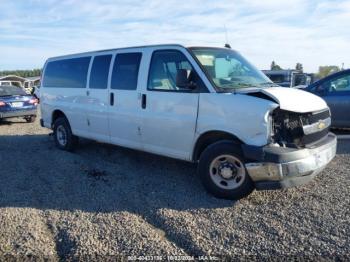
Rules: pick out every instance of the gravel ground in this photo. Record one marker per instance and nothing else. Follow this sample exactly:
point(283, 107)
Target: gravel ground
point(104, 201)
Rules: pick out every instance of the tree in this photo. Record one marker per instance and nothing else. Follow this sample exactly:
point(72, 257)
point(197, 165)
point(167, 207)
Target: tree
point(22, 73)
point(324, 71)
point(299, 66)
point(274, 66)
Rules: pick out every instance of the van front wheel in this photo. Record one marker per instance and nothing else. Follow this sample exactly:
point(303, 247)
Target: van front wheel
point(63, 136)
point(222, 171)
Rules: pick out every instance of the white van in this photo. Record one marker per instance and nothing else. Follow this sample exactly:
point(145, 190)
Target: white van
point(200, 104)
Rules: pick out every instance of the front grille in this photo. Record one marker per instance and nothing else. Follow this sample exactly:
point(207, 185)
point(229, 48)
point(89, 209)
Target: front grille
point(288, 127)
point(312, 138)
point(309, 119)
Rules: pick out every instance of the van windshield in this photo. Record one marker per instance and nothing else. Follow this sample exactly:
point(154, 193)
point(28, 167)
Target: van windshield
point(228, 70)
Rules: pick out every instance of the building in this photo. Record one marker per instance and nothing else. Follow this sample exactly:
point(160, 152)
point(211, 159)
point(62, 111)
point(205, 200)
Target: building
point(25, 82)
point(32, 81)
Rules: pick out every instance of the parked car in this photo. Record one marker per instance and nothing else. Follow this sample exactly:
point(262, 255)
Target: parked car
point(15, 102)
point(205, 105)
point(289, 77)
point(335, 90)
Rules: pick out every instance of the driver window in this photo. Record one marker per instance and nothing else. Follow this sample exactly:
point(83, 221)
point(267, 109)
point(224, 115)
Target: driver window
point(163, 69)
point(339, 84)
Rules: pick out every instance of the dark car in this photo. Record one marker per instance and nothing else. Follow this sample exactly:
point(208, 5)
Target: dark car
point(335, 90)
point(289, 77)
point(15, 102)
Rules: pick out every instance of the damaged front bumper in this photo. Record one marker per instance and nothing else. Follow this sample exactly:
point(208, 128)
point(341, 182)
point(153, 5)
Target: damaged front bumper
point(278, 167)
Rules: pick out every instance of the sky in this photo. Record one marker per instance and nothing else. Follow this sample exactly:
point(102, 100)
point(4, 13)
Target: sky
point(311, 32)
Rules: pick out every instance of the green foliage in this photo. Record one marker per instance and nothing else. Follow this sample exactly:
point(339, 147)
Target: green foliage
point(324, 71)
point(274, 66)
point(22, 73)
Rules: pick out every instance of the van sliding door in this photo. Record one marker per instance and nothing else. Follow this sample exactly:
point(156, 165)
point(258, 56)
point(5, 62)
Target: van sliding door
point(124, 111)
point(97, 94)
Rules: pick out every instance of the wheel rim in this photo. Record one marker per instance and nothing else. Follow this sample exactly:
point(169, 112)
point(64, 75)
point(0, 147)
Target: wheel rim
point(227, 172)
point(61, 135)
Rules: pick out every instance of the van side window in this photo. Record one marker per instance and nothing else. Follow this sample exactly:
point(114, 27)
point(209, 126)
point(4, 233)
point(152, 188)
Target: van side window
point(163, 69)
point(125, 71)
point(70, 73)
point(99, 72)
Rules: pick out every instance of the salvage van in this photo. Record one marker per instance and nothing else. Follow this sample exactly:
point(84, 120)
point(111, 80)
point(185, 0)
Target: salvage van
point(206, 105)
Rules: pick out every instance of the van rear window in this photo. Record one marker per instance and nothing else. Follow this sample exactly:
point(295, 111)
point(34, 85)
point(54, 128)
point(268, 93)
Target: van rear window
point(70, 73)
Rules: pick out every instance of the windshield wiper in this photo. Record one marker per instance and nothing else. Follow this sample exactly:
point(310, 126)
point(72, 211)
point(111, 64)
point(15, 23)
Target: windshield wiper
point(238, 85)
point(229, 88)
point(268, 84)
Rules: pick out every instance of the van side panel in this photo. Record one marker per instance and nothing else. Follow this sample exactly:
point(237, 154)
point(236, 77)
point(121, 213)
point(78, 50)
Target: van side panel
point(72, 102)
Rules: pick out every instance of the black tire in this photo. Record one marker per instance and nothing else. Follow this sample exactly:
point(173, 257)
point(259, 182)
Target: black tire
point(244, 185)
point(61, 126)
point(30, 119)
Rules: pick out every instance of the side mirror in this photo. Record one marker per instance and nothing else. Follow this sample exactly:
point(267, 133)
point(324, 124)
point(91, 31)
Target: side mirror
point(183, 79)
point(321, 90)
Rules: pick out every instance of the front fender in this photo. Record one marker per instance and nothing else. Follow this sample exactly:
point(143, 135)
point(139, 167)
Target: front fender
point(243, 116)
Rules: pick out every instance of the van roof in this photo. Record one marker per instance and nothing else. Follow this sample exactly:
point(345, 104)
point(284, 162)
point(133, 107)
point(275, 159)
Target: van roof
point(114, 49)
point(132, 47)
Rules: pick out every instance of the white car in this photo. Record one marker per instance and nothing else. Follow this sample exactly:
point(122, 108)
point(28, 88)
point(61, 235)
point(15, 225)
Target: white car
point(200, 104)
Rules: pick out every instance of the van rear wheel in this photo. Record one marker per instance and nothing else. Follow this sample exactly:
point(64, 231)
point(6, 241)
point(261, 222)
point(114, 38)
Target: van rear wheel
point(63, 136)
point(222, 171)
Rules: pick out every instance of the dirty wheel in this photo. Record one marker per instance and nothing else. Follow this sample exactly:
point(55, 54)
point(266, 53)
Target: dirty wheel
point(63, 136)
point(222, 171)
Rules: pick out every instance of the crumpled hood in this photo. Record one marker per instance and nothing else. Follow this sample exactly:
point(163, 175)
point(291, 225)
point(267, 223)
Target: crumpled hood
point(290, 99)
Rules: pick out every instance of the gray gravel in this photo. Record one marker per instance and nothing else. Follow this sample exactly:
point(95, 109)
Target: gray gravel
point(104, 200)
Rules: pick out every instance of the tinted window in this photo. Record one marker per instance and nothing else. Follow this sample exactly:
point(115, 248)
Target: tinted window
point(338, 85)
point(99, 72)
point(7, 90)
point(125, 71)
point(163, 70)
point(277, 78)
point(67, 73)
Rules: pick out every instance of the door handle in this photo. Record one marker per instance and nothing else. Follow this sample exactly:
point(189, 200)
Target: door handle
point(143, 101)
point(111, 99)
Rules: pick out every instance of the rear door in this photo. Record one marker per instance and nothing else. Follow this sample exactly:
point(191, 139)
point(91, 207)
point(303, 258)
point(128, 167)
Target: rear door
point(98, 100)
point(169, 113)
point(124, 103)
point(337, 96)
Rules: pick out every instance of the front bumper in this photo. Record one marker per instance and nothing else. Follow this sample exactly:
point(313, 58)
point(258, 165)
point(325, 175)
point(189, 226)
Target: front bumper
point(18, 113)
point(276, 167)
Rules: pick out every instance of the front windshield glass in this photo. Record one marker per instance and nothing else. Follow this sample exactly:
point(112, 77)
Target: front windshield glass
point(229, 70)
point(11, 91)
